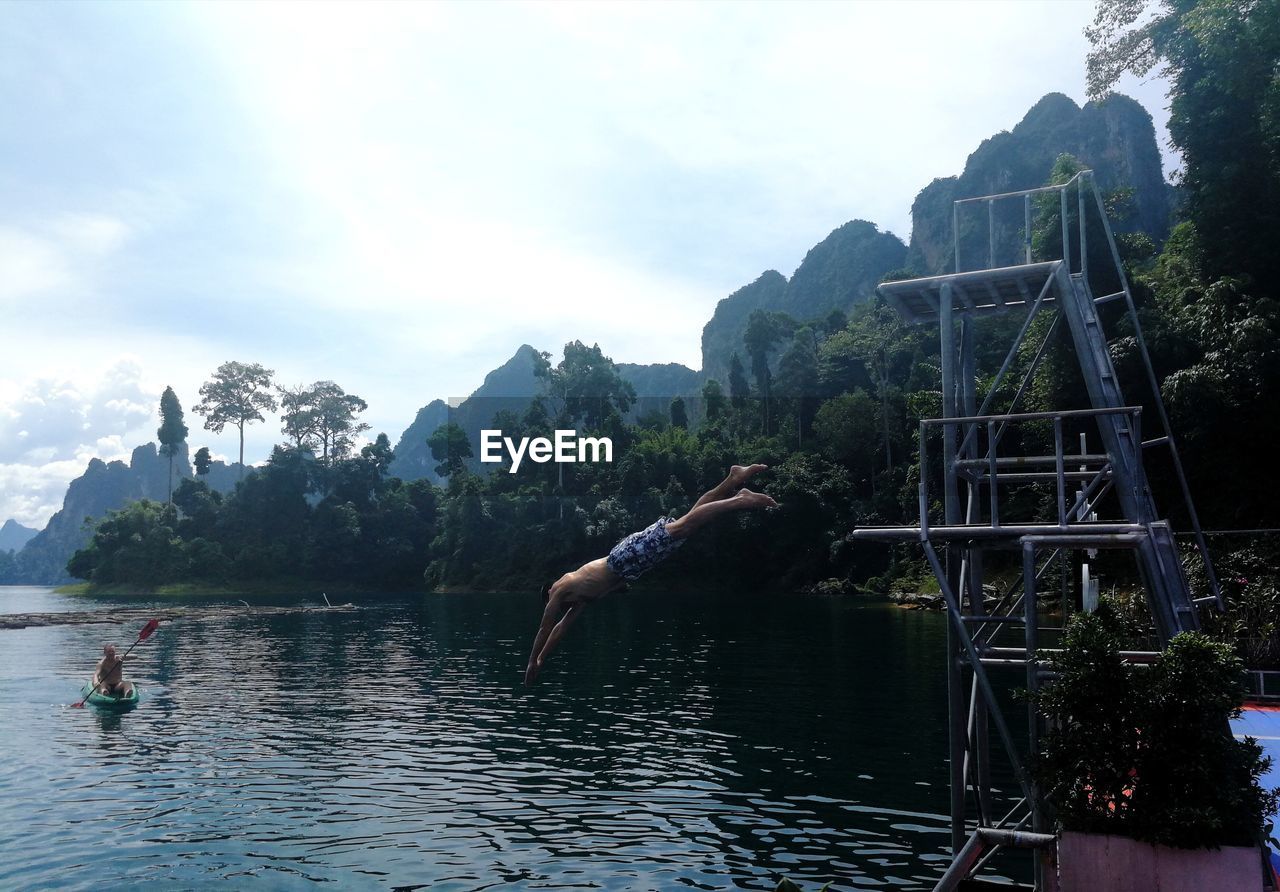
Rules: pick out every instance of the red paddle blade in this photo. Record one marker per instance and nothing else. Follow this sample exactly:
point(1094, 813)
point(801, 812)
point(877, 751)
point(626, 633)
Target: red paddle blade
point(150, 627)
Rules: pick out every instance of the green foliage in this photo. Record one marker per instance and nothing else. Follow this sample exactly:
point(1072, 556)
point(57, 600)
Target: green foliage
point(679, 414)
point(1247, 574)
point(322, 418)
point(739, 387)
point(237, 394)
point(587, 385)
point(202, 460)
point(136, 544)
point(713, 401)
point(172, 432)
point(1222, 61)
point(292, 519)
point(451, 448)
point(1148, 753)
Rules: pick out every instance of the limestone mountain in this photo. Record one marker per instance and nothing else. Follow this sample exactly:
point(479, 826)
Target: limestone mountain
point(511, 387)
point(103, 487)
point(508, 387)
point(1114, 136)
point(14, 535)
point(837, 273)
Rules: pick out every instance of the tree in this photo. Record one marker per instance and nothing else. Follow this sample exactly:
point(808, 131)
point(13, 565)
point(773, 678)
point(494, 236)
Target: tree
point(172, 432)
point(449, 446)
point(202, 461)
point(237, 394)
point(379, 453)
point(739, 387)
point(679, 415)
point(713, 400)
point(588, 385)
point(322, 418)
point(764, 329)
point(1222, 62)
point(845, 430)
point(798, 377)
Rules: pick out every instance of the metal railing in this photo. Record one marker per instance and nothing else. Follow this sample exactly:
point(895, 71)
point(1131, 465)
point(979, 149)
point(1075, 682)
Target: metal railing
point(1085, 185)
point(1091, 471)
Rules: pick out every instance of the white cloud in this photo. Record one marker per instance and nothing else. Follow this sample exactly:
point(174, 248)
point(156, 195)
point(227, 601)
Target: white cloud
point(51, 428)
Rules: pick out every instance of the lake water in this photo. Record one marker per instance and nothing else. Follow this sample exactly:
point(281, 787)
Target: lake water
point(676, 741)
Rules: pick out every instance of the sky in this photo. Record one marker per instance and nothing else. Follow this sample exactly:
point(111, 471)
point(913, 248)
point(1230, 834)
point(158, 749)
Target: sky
point(397, 196)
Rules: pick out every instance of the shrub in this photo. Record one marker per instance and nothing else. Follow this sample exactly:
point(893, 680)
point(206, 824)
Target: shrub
point(1148, 752)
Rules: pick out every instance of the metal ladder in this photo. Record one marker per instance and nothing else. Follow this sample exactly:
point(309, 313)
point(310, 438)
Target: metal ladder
point(1168, 593)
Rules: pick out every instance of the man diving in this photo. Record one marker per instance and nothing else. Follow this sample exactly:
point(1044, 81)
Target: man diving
point(634, 555)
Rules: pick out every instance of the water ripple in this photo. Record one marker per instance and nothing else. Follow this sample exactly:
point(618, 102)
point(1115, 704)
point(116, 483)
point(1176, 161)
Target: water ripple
point(673, 743)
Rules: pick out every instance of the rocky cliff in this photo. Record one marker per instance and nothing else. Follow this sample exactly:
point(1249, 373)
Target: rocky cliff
point(1115, 137)
point(837, 273)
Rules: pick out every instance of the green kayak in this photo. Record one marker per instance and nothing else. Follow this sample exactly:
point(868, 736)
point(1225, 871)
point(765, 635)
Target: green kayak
point(106, 701)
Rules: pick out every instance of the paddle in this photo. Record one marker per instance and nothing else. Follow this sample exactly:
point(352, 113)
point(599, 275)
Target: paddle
point(150, 627)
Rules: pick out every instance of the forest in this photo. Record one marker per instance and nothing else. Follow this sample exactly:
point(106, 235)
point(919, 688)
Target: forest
point(831, 404)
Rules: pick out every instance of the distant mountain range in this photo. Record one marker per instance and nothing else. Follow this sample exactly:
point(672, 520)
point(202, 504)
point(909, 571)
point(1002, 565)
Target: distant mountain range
point(14, 535)
point(1115, 137)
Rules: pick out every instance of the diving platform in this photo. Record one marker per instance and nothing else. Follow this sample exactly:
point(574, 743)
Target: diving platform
point(1055, 487)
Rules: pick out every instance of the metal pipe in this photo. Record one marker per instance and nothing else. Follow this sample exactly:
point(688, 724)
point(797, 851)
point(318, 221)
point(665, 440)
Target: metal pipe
point(911, 534)
point(993, 490)
point(947, 335)
point(1066, 233)
point(1017, 193)
point(1038, 416)
point(1031, 476)
point(1087, 540)
point(991, 233)
point(1016, 461)
point(1033, 682)
point(1084, 250)
point(1192, 515)
point(1026, 225)
point(985, 838)
point(1059, 470)
point(956, 624)
point(924, 484)
point(955, 230)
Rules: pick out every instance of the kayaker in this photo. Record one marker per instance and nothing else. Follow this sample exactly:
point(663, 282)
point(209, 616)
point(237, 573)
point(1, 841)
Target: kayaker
point(109, 674)
point(636, 554)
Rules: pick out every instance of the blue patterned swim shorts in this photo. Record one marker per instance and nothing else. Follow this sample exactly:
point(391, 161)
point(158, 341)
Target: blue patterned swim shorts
point(642, 551)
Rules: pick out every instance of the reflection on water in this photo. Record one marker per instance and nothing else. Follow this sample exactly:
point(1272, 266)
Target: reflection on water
point(675, 741)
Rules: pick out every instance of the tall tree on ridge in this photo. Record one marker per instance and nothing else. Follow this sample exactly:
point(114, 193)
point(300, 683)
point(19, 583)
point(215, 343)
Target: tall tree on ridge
point(238, 393)
point(172, 432)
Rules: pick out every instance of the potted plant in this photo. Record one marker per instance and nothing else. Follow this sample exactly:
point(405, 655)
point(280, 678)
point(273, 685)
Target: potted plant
point(1148, 786)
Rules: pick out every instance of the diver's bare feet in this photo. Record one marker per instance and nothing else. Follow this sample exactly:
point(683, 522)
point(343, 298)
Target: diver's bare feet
point(740, 474)
point(748, 499)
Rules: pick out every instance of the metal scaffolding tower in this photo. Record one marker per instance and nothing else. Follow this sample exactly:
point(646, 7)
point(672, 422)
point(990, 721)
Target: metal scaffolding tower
point(1011, 481)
